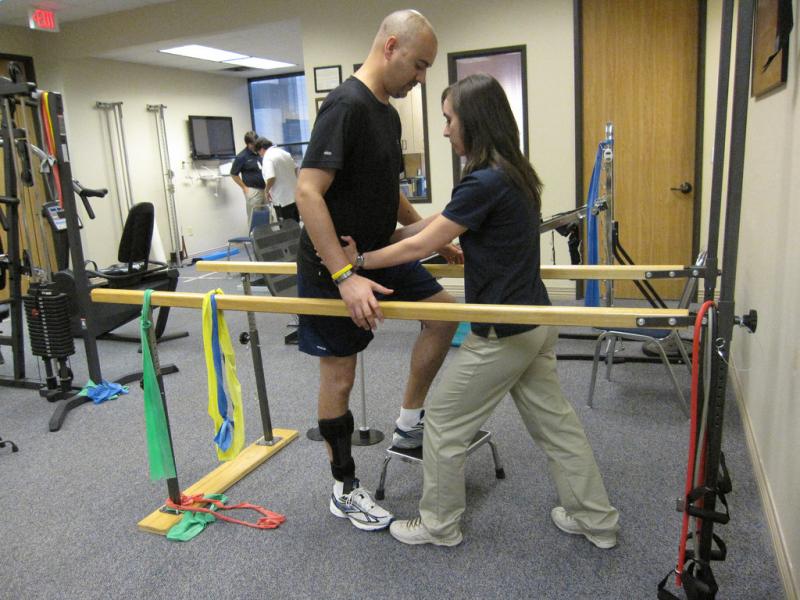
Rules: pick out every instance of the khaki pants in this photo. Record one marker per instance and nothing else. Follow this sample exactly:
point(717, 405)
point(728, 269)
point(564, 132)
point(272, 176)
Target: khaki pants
point(254, 198)
point(472, 385)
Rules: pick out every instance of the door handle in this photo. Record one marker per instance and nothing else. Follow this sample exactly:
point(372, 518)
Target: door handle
point(685, 188)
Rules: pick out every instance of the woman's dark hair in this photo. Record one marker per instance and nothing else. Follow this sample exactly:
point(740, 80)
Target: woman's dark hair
point(489, 132)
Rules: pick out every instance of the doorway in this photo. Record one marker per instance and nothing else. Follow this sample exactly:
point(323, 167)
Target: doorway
point(640, 67)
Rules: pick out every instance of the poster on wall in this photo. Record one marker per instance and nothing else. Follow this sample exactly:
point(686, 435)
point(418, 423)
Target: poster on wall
point(770, 63)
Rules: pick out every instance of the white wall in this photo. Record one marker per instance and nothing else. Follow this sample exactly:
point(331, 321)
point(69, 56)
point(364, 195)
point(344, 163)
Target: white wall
point(769, 281)
point(766, 366)
point(207, 220)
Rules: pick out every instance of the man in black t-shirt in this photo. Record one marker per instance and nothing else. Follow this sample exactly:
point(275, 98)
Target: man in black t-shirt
point(246, 173)
point(349, 185)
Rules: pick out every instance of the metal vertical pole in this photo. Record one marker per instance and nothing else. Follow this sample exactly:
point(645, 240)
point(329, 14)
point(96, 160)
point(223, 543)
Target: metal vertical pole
point(14, 249)
point(258, 369)
point(173, 488)
point(608, 163)
point(720, 132)
point(82, 299)
point(124, 154)
point(725, 319)
point(119, 158)
point(169, 186)
point(365, 436)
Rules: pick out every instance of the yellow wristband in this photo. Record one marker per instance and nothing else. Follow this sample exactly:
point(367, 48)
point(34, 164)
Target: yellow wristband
point(342, 271)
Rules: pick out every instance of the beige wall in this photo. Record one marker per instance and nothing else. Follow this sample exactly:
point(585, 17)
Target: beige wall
point(768, 280)
point(333, 33)
point(207, 220)
point(765, 369)
point(16, 40)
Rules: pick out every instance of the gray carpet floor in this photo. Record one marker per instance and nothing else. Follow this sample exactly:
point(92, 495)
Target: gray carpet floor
point(70, 500)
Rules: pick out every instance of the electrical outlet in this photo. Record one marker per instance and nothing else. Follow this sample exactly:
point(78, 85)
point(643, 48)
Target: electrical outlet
point(190, 231)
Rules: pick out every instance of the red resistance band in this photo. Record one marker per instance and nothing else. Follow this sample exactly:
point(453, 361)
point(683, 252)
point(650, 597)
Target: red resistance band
point(270, 520)
point(698, 325)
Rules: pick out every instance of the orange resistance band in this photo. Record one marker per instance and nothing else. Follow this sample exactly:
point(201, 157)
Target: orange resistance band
point(51, 143)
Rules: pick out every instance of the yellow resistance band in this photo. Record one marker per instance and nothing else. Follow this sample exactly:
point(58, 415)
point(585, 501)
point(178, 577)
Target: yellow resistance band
point(234, 388)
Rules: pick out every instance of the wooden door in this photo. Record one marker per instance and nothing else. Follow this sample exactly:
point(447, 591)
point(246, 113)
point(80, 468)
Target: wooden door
point(640, 72)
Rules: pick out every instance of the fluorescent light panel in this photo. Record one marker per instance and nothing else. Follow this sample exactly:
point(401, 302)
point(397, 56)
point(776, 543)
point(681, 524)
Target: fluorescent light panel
point(258, 63)
point(217, 55)
point(204, 53)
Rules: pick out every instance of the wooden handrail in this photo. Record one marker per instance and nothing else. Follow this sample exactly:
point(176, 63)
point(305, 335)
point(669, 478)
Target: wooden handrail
point(618, 272)
point(615, 317)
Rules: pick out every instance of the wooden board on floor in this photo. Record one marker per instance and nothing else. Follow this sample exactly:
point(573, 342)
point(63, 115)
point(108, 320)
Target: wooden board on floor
point(220, 479)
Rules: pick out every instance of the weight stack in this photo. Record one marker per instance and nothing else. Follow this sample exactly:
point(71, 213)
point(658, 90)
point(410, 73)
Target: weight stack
point(47, 313)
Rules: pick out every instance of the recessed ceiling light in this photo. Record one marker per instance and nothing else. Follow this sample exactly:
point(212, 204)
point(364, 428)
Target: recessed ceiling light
point(203, 52)
point(259, 63)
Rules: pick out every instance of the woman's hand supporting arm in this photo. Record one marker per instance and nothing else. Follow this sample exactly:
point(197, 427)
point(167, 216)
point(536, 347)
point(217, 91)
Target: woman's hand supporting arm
point(439, 232)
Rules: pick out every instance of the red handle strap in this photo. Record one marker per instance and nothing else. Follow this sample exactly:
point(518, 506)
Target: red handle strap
point(270, 520)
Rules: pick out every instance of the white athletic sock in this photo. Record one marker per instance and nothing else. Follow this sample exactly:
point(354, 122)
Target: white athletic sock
point(338, 488)
point(409, 417)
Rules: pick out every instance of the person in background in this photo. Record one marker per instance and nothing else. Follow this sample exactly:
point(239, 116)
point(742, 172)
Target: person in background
point(349, 184)
point(246, 173)
point(495, 211)
point(280, 176)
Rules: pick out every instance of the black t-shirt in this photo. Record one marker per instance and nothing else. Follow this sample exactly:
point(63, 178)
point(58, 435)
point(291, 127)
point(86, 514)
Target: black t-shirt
point(248, 164)
point(501, 245)
point(359, 137)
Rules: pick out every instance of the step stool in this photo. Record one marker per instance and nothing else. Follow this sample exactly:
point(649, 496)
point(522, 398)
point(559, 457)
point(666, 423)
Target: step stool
point(414, 456)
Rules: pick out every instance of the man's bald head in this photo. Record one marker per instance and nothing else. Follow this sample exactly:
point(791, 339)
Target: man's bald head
point(403, 50)
point(405, 25)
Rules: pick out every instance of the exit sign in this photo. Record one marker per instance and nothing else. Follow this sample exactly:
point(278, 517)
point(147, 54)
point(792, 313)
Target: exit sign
point(42, 19)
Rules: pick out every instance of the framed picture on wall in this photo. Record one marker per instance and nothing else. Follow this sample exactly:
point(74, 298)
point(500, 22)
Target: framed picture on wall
point(318, 102)
point(327, 78)
point(770, 63)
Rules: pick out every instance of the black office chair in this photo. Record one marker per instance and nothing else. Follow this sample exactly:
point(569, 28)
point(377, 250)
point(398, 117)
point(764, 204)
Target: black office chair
point(134, 271)
point(133, 253)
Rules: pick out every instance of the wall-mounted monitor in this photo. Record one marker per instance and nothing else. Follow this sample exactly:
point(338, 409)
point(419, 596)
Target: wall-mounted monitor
point(211, 137)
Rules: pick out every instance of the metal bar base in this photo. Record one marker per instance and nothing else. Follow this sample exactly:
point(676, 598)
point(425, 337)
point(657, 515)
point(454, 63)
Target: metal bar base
point(61, 411)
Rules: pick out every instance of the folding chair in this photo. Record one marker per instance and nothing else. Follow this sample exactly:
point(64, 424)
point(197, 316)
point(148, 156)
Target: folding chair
point(279, 242)
point(259, 217)
point(660, 339)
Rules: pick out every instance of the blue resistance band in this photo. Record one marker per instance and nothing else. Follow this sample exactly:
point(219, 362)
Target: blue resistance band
point(224, 435)
point(592, 297)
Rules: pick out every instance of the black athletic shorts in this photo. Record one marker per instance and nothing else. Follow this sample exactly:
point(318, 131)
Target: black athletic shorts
point(339, 336)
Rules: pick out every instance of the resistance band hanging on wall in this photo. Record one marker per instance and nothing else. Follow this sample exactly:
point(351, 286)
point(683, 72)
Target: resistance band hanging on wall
point(229, 433)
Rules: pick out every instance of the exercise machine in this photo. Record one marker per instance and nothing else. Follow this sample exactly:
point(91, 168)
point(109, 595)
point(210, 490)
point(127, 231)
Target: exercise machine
point(51, 310)
point(133, 271)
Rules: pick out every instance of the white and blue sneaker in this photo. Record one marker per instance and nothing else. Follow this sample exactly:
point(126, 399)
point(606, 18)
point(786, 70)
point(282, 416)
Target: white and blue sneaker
point(360, 508)
point(408, 439)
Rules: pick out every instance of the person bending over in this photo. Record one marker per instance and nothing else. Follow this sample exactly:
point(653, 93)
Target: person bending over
point(495, 211)
point(280, 177)
point(349, 184)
